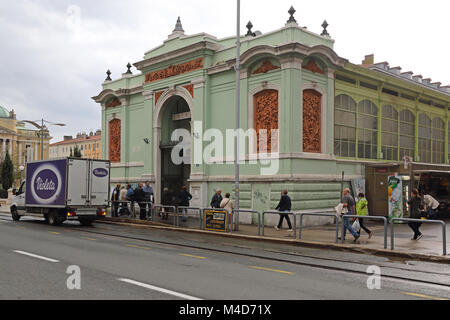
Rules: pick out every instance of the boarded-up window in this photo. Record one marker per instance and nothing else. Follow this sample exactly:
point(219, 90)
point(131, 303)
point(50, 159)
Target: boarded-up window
point(266, 120)
point(114, 140)
point(312, 131)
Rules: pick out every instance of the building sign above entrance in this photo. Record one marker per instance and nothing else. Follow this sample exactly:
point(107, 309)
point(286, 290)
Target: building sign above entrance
point(176, 70)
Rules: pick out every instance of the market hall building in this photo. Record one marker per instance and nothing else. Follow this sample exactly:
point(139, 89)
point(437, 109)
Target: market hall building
point(366, 121)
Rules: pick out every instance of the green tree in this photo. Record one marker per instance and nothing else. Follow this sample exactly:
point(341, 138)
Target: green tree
point(71, 152)
point(7, 172)
point(77, 152)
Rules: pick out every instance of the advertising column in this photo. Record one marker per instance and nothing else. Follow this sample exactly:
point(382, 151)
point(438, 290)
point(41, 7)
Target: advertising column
point(395, 197)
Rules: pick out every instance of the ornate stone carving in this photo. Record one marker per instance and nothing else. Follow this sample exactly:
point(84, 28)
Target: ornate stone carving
point(313, 67)
point(190, 88)
point(158, 95)
point(266, 118)
point(265, 67)
point(114, 140)
point(172, 71)
point(312, 119)
point(113, 103)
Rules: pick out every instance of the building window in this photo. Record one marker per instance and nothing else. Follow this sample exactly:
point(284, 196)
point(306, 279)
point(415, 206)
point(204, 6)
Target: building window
point(345, 126)
point(114, 140)
point(266, 120)
point(424, 138)
point(367, 130)
point(407, 134)
point(389, 133)
point(312, 121)
point(438, 140)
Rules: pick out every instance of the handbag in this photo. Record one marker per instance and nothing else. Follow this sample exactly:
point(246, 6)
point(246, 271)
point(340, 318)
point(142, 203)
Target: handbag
point(356, 226)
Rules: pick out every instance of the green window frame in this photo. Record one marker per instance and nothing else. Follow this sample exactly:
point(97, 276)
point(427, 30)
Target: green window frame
point(407, 140)
point(367, 127)
point(425, 134)
point(345, 126)
point(438, 143)
point(390, 133)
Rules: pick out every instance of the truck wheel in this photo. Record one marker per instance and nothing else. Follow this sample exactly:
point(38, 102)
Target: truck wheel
point(54, 219)
point(86, 221)
point(14, 214)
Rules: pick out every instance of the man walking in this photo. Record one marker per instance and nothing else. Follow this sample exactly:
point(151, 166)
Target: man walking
point(284, 206)
point(183, 201)
point(139, 197)
point(217, 199)
point(149, 196)
point(414, 213)
point(349, 203)
point(115, 197)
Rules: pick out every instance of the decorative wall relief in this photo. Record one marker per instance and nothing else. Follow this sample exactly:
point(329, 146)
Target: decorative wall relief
point(190, 88)
point(313, 67)
point(266, 117)
point(158, 95)
point(265, 67)
point(312, 119)
point(113, 103)
point(114, 140)
point(176, 70)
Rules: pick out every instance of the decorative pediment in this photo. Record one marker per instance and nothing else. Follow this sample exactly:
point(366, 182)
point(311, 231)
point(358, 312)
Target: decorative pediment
point(115, 102)
point(313, 67)
point(265, 67)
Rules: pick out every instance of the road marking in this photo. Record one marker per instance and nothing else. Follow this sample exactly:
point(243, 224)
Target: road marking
point(35, 256)
point(138, 247)
point(272, 270)
point(192, 256)
point(423, 296)
point(90, 239)
point(54, 232)
point(169, 292)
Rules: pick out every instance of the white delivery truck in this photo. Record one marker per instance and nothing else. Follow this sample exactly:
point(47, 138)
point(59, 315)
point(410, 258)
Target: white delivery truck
point(63, 189)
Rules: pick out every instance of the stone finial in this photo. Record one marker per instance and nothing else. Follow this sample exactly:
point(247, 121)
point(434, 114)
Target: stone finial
point(129, 69)
point(178, 26)
point(108, 73)
point(249, 27)
point(325, 26)
point(292, 11)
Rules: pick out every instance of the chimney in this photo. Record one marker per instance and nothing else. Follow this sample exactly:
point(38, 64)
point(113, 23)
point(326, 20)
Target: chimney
point(67, 138)
point(369, 59)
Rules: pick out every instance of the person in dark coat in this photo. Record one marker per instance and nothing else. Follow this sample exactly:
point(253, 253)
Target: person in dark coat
point(414, 212)
point(284, 206)
point(139, 197)
point(183, 201)
point(216, 199)
point(166, 200)
point(115, 198)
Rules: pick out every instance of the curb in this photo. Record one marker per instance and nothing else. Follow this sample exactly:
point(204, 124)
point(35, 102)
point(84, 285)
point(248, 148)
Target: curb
point(294, 242)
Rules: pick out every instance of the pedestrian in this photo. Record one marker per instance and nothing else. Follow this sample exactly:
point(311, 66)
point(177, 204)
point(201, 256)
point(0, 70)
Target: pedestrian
point(349, 204)
point(414, 213)
point(183, 201)
point(115, 197)
point(139, 197)
point(216, 199)
point(123, 201)
point(284, 206)
point(149, 196)
point(227, 204)
point(361, 210)
point(166, 200)
point(430, 205)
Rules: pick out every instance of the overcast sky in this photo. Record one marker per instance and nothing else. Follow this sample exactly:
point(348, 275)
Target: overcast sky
point(54, 53)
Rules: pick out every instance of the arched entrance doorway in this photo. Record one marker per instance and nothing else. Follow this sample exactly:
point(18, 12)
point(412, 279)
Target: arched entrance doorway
point(173, 113)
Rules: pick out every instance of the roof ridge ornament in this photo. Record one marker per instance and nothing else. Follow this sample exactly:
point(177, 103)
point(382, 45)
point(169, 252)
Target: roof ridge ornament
point(250, 32)
point(178, 26)
point(292, 11)
point(108, 78)
point(129, 69)
point(325, 26)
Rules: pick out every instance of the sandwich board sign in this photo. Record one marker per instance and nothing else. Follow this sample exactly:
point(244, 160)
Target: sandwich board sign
point(216, 220)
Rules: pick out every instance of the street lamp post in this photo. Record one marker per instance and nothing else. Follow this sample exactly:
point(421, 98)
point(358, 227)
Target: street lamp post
point(41, 131)
point(238, 109)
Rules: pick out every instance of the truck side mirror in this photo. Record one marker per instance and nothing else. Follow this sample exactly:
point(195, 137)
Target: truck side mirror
point(14, 191)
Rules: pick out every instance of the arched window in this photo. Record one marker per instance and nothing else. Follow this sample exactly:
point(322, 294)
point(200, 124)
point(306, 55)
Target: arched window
point(312, 121)
point(114, 140)
point(407, 134)
point(345, 126)
point(266, 120)
point(438, 140)
point(389, 133)
point(424, 138)
point(367, 130)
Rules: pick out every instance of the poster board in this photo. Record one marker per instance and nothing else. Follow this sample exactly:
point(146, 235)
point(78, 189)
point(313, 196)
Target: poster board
point(215, 220)
point(395, 191)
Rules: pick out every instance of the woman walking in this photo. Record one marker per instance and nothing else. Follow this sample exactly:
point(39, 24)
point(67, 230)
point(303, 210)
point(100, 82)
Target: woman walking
point(414, 213)
point(361, 210)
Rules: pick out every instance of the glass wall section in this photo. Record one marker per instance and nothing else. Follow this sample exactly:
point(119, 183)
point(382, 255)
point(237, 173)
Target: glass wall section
point(367, 130)
point(424, 138)
point(345, 127)
point(407, 134)
point(438, 140)
point(389, 133)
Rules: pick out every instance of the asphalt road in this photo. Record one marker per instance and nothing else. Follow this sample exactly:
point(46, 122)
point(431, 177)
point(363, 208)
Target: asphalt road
point(124, 263)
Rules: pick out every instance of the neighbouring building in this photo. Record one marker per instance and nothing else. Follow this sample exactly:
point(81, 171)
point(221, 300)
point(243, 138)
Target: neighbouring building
point(90, 146)
point(323, 116)
point(22, 143)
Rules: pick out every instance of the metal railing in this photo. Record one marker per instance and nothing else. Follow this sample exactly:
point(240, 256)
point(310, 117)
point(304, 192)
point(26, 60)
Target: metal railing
point(248, 211)
point(180, 208)
point(384, 219)
point(444, 231)
point(281, 212)
point(319, 214)
point(159, 206)
point(120, 205)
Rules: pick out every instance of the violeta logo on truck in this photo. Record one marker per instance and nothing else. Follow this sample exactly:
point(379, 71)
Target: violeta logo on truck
point(100, 172)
